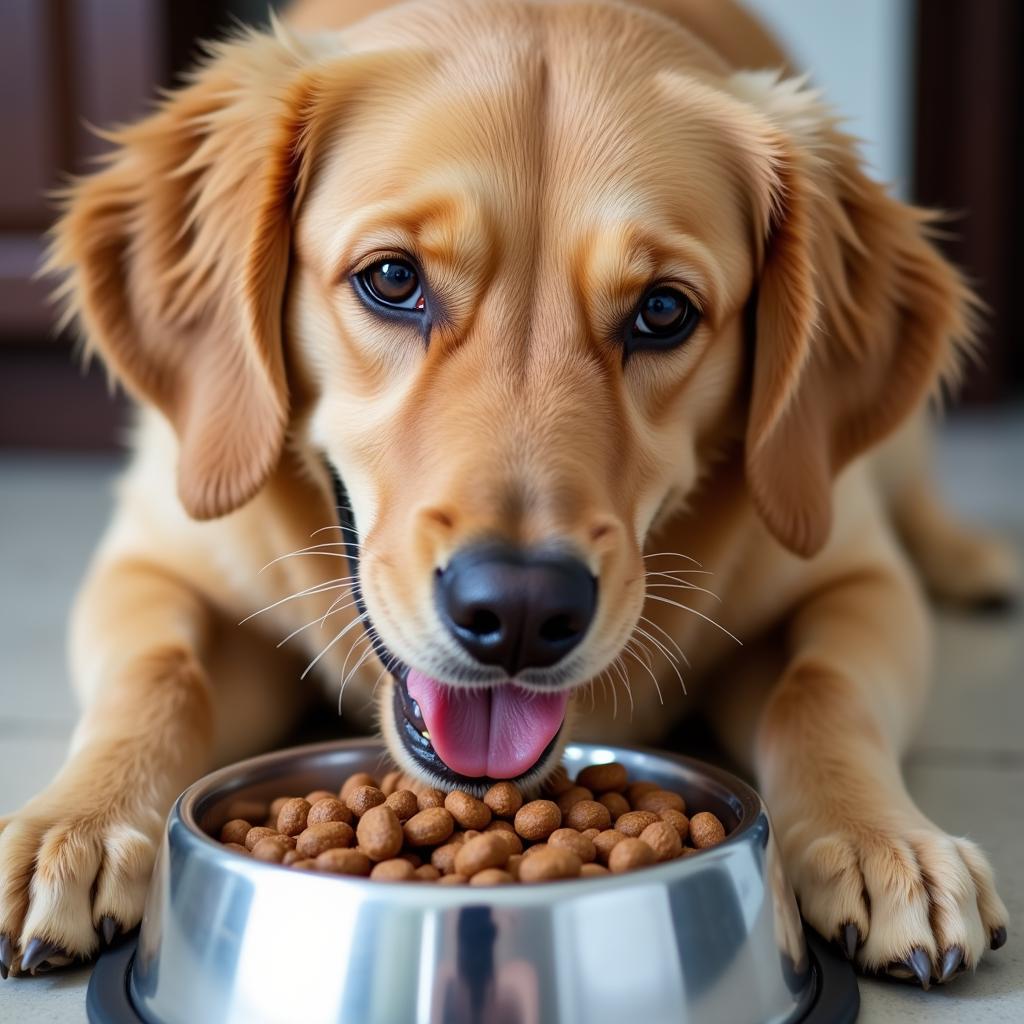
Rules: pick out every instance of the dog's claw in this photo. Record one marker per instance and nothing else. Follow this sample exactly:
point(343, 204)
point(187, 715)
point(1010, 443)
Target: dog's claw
point(952, 962)
point(921, 966)
point(998, 937)
point(6, 955)
point(37, 955)
point(110, 929)
point(849, 940)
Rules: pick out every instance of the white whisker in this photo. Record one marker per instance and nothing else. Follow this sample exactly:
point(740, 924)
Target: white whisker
point(687, 608)
point(321, 619)
point(674, 554)
point(668, 636)
point(668, 656)
point(354, 622)
point(648, 668)
point(319, 588)
point(682, 586)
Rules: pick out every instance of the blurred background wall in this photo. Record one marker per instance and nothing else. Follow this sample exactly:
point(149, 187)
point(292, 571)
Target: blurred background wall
point(934, 87)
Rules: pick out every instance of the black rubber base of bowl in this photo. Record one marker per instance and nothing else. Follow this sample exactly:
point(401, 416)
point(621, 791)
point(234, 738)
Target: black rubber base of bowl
point(836, 996)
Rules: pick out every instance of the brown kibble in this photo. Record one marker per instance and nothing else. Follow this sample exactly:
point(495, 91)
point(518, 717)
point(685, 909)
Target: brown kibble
point(363, 798)
point(290, 857)
point(270, 848)
point(428, 798)
point(443, 858)
point(504, 799)
point(426, 873)
point(570, 839)
point(558, 782)
point(549, 864)
point(629, 855)
point(591, 833)
point(501, 826)
point(305, 865)
point(705, 830)
point(291, 818)
point(429, 827)
point(663, 839)
point(589, 814)
point(469, 812)
point(254, 835)
point(537, 819)
point(632, 823)
point(616, 803)
point(413, 858)
point(635, 790)
point(659, 800)
point(605, 841)
point(317, 795)
point(604, 778)
point(512, 867)
point(326, 835)
point(487, 850)
point(491, 876)
point(679, 821)
point(235, 831)
point(391, 783)
point(531, 851)
point(571, 797)
point(236, 848)
point(355, 781)
point(593, 871)
point(343, 862)
point(330, 808)
point(397, 870)
point(380, 833)
point(509, 838)
point(452, 879)
point(403, 802)
point(276, 805)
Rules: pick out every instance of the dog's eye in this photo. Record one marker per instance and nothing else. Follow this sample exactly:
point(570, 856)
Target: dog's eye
point(393, 283)
point(664, 319)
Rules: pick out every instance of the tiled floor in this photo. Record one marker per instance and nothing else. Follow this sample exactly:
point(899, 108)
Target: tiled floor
point(967, 769)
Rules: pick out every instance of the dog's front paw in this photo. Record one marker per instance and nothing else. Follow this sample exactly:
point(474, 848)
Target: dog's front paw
point(74, 870)
point(911, 902)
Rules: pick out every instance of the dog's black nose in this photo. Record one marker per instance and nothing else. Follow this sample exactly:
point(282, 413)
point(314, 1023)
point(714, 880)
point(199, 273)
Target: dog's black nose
point(518, 609)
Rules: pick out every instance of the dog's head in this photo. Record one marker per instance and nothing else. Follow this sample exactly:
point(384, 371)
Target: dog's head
point(521, 274)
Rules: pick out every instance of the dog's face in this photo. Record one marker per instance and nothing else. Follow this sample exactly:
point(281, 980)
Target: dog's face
point(518, 272)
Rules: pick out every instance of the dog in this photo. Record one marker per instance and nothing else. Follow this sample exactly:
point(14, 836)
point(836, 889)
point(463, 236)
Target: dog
point(620, 357)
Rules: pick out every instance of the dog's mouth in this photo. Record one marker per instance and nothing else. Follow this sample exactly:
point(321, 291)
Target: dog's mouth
point(473, 736)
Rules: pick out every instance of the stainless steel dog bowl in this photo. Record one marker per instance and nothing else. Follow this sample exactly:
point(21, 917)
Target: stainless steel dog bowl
point(708, 938)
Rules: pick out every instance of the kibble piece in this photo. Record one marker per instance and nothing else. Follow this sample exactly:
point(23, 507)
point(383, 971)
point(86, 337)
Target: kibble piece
point(603, 778)
point(469, 812)
point(593, 871)
point(635, 790)
point(443, 858)
point(549, 864)
point(362, 798)
point(276, 805)
point(429, 827)
point(380, 833)
point(305, 865)
point(236, 848)
point(397, 870)
point(254, 835)
point(290, 857)
point(629, 855)
point(235, 831)
point(330, 808)
point(589, 814)
point(659, 800)
point(413, 858)
point(318, 794)
point(705, 830)
point(632, 823)
point(532, 851)
point(571, 797)
point(326, 835)
point(558, 782)
point(428, 798)
point(504, 799)
point(605, 841)
point(509, 838)
point(501, 826)
point(663, 839)
point(391, 783)
point(679, 821)
point(487, 850)
point(291, 818)
point(343, 862)
point(270, 848)
point(512, 867)
point(355, 781)
point(491, 876)
point(616, 803)
point(426, 873)
point(404, 803)
point(570, 839)
point(452, 879)
point(537, 819)
point(591, 833)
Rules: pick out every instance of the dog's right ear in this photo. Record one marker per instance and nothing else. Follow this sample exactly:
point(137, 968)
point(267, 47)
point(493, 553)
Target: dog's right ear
point(175, 256)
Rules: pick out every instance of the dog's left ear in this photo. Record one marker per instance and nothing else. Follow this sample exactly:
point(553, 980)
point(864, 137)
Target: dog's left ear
point(858, 316)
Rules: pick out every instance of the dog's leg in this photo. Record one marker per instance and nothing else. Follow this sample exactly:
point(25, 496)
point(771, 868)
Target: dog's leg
point(75, 861)
point(870, 870)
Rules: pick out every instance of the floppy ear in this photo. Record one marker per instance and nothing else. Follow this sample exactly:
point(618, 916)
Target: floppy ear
point(858, 316)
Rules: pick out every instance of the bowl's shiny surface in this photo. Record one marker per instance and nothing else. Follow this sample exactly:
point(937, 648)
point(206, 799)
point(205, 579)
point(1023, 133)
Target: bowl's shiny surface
point(708, 938)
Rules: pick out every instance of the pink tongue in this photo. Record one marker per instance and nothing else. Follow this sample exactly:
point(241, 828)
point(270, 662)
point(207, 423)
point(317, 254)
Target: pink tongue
point(500, 732)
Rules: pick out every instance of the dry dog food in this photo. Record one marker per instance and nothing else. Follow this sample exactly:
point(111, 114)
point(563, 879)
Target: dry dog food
point(402, 831)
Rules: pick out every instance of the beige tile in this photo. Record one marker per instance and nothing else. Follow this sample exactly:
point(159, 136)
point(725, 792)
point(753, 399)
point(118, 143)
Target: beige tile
point(27, 764)
point(57, 998)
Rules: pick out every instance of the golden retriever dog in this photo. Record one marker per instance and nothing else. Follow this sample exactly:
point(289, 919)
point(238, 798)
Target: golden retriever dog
point(595, 313)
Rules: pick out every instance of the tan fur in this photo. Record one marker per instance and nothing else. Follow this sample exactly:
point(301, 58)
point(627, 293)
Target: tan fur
point(546, 163)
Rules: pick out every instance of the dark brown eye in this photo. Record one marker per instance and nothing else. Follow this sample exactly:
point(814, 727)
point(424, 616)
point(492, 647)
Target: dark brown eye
point(665, 318)
point(393, 283)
